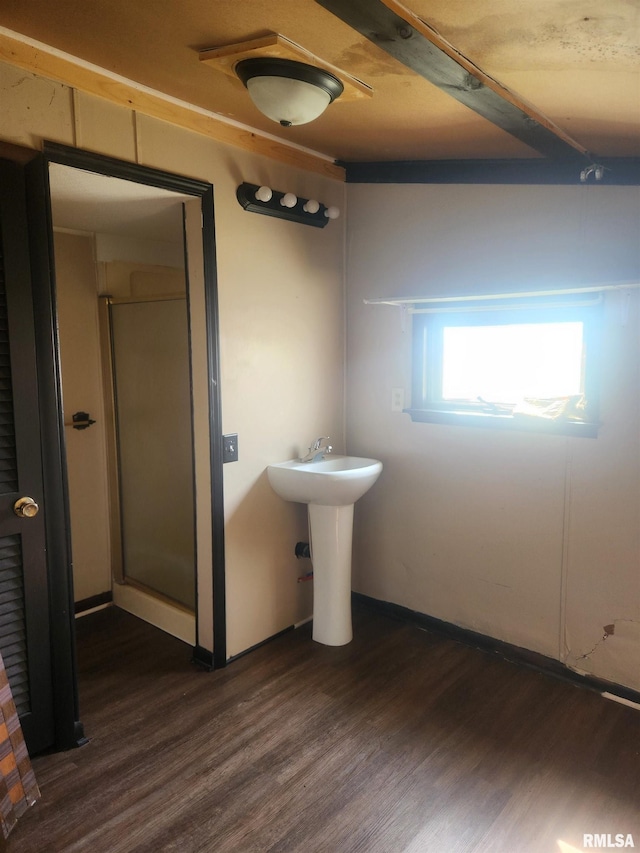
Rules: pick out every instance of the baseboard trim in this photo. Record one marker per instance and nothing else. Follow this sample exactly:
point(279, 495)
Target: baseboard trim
point(93, 601)
point(203, 657)
point(262, 643)
point(514, 654)
point(78, 732)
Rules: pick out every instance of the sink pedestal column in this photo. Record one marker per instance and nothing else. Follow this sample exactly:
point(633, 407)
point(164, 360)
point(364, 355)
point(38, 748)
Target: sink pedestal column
point(331, 537)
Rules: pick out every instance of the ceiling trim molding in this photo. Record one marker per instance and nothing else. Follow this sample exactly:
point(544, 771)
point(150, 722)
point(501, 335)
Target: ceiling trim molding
point(618, 171)
point(56, 65)
point(401, 33)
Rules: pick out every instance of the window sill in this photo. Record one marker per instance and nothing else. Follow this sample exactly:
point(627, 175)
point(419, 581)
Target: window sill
point(580, 429)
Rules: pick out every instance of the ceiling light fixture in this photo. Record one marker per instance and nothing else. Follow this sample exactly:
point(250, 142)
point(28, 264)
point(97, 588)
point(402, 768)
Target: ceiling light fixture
point(287, 91)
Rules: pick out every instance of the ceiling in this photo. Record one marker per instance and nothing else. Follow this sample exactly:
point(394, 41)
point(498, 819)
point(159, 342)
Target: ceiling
point(576, 61)
point(93, 203)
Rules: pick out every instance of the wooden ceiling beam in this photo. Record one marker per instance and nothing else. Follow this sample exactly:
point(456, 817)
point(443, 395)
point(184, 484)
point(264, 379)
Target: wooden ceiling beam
point(400, 32)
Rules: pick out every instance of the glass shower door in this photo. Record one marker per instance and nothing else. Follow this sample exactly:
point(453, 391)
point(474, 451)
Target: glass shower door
point(152, 391)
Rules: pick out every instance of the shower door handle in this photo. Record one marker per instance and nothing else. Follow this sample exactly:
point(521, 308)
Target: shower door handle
point(26, 507)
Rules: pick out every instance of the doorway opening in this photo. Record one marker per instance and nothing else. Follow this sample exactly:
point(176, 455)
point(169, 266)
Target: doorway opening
point(40, 551)
point(122, 305)
point(132, 255)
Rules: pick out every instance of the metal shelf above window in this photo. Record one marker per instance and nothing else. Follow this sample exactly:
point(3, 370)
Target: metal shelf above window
point(585, 295)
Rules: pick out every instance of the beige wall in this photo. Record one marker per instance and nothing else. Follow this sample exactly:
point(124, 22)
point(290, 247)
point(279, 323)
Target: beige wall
point(77, 291)
point(281, 326)
point(533, 539)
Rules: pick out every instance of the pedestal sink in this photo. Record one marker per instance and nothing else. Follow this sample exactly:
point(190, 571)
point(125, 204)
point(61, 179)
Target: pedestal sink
point(330, 487)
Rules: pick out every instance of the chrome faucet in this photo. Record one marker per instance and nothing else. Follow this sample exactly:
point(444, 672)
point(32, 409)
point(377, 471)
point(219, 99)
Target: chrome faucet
point(318, 450)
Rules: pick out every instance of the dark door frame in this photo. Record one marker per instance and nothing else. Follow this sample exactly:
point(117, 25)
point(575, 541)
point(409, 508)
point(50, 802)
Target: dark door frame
point(66, 708)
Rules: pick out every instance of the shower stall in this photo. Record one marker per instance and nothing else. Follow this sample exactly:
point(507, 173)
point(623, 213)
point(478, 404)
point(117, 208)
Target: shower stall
point(150, 446)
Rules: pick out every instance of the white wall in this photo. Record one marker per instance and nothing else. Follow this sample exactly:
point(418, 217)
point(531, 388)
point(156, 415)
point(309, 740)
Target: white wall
point(281, 325)
point(532, 539)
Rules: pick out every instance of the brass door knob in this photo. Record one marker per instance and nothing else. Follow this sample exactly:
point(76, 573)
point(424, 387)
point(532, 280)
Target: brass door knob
point(26, 507)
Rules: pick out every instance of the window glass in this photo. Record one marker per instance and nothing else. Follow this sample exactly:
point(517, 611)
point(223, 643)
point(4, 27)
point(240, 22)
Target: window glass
point(505, 363)
point(526, 363)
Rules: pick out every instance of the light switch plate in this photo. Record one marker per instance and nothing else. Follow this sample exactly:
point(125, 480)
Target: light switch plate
point(230, 447)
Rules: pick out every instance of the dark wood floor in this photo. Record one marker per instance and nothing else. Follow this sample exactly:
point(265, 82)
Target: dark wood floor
point(401, 742)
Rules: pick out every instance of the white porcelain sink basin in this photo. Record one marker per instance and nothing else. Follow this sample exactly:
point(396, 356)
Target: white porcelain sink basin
point(333, 481)
point(330, 487)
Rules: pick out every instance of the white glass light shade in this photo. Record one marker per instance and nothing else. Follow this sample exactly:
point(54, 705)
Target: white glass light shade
point(289, 200)
point(332, 212)
point(287, 101)
point(286, 91)
point(312, 206)
point(264, 193)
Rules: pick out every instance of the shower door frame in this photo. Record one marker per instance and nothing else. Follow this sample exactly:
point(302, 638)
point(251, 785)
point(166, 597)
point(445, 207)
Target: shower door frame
point(113, 428)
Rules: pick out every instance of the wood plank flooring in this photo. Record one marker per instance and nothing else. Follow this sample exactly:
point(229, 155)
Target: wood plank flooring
point(401, 742)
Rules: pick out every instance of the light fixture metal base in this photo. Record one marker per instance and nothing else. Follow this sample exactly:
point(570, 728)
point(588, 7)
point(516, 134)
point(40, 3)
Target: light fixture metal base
point(246, 195)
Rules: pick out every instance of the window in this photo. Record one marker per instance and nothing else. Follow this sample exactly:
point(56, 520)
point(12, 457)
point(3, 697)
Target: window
point(507, 363)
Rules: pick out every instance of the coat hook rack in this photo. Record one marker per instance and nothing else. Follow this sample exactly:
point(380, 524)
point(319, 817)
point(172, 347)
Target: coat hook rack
point(308, 211)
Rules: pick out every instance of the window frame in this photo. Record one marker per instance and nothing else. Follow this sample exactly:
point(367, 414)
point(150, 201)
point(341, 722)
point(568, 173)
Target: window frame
point(427, 361)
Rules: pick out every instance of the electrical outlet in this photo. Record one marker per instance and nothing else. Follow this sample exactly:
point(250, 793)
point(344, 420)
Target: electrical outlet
point(230, 447)
point(397, 399)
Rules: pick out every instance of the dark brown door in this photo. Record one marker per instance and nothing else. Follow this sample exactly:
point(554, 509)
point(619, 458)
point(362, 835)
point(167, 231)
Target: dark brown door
point(24, 592)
